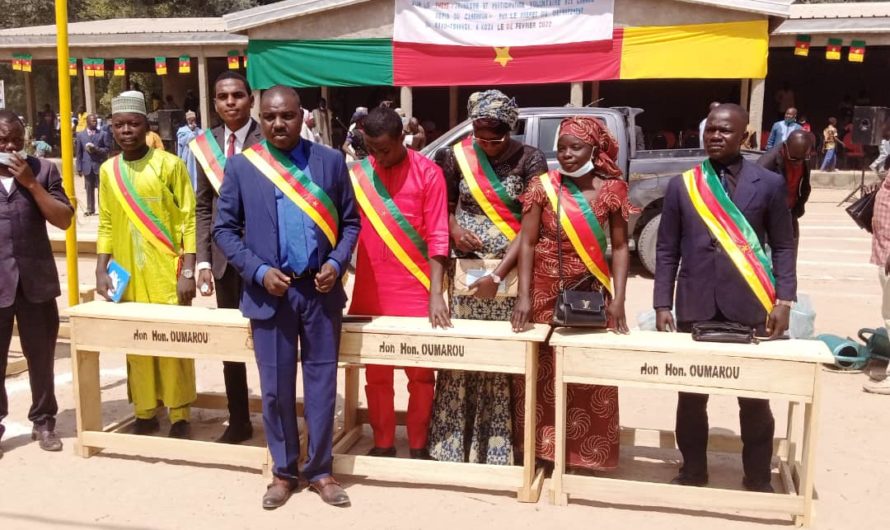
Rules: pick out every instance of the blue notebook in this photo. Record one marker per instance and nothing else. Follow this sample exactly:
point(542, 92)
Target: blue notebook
point(119, 280)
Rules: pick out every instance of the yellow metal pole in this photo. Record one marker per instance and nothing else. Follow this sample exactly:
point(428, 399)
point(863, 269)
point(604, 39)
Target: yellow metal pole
point(67, 146)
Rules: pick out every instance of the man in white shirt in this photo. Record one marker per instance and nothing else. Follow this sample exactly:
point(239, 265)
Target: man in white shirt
point(233, 101)
point(701, 126)
point(880, 163)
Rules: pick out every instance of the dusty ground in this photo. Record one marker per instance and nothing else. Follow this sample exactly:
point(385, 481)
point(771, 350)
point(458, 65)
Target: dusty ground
point(60, 490)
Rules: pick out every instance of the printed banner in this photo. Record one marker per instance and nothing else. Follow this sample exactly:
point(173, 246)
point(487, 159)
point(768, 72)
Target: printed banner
point(503, 23)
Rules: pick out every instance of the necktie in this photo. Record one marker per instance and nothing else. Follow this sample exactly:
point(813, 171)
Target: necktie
point(230, 150)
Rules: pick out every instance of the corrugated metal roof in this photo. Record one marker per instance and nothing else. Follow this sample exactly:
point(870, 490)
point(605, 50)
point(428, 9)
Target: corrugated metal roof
point(779, 8)
point(269, 14)
point(841, 10)
point(822, 26)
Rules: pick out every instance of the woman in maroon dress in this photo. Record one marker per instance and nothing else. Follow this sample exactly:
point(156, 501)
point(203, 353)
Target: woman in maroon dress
point(586, 153)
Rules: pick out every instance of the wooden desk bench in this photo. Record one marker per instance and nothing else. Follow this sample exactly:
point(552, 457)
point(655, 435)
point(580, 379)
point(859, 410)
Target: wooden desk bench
point(472, 345)
point(784, 370)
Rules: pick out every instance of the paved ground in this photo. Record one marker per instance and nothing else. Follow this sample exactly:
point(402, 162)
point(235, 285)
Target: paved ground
point(60, 490)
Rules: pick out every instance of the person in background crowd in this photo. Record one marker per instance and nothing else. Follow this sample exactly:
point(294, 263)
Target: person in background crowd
point(184, 136)
point(322, 118)
point(472, 420)
point(41, 148)
point(80, 119)
point(805, 123)
point(31, 195)
point(90, 151)
point(701, 125)
point(307, 132)
point(191, 102)
point(781, 129)
point(881, 163)
point(415, 136)
point(169, 104)
point(790, 160)
point(784, 99)
point(232, 100)
point(354, 146)
point(711, 286)
point(413, 193)
point(147, 225)
point(46, 129)
point(156, 102)
point(152, 138)
point(292, 284)
point(829, 145)
point(880, 258)
point(589, 179)
point(751, 138)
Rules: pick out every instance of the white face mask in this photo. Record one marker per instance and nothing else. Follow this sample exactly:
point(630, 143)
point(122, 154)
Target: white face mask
point(580, 172)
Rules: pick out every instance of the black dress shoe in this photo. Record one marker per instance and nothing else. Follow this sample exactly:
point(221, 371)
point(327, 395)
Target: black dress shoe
point(420, 454)
point(759, 487)
point(388, 452)
point(144, 427)
point(236, 433)
point(47, 438)
point(181, 429)
point(685, 479)
point(278, 492)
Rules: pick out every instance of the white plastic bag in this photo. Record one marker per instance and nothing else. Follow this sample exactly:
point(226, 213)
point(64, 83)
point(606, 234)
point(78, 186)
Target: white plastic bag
point(803, 318)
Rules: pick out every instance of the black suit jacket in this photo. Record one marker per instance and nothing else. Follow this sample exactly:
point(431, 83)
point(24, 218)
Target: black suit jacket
point(205, 209)
point(26, 256)
point(774, 161)
point(706, 279)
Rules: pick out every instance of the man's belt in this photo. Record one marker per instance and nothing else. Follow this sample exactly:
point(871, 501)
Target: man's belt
point(308, 273)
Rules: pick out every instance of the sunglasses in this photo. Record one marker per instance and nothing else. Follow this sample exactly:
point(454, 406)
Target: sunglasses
point(483, 141)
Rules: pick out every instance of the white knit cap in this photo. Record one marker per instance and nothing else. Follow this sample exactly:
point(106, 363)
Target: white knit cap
point(131, 101)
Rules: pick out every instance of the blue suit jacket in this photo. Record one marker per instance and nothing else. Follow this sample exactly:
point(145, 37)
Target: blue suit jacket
point(706, 279)
point(88, 163)
point(246, 228)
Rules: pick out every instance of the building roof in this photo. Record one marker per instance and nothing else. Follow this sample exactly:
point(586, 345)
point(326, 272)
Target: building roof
point(126, 32)
point(840, 10)
point(855, 17)
point(272, 13)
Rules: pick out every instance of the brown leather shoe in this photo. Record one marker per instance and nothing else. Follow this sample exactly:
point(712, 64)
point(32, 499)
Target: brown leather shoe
point(278, 492)
point(47, 438)
point(330, 491)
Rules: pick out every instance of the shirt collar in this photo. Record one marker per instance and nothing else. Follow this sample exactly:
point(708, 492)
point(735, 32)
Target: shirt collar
point(240, 134)
point(734, 167)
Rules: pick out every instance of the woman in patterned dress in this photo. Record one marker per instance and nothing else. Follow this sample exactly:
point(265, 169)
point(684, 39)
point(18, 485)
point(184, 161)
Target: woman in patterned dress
point(586, 152)
point(471, 414)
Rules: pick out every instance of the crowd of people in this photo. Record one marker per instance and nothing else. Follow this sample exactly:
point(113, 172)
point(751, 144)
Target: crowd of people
point(273, 218)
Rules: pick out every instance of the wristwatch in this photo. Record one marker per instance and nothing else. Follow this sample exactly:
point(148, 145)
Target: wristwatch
point(188, 274)
point(495, 278)
point(786, 303)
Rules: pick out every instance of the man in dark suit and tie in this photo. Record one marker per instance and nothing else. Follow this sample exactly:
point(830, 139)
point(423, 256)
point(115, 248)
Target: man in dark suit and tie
point(233, 101)
point(90, 150)
point(30, 195)
point(287, 221)
point(710, 287)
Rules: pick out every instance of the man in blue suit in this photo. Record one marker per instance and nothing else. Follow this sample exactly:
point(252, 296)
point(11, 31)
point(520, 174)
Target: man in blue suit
point(290, 259)
point(90, 151)
point(710, 287)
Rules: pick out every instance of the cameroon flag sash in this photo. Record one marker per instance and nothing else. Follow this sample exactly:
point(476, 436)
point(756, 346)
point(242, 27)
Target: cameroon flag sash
point(208, 153)
point(726, 223)
point(580, 225)
point(389, 222)
point(296, 186)
point(485, 186)
point(146, 222)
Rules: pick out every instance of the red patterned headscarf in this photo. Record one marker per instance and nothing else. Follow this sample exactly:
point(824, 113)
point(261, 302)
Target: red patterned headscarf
point(592, 132)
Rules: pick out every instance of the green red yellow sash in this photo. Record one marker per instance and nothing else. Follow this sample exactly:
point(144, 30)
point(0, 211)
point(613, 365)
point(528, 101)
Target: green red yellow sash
point(146, 222)
point(208, 153)
point(388, 221)
point(503, 210)
point(580, 225)
point(726, 222)
point(296, 186)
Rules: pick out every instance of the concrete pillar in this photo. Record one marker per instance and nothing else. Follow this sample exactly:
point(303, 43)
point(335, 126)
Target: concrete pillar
point(758, 92)
point(203, 92)
point(406, 101)
point(326, 94)
point(745, 94)
point(576, 95)
point(452, 106)
point(30, 103)
point(89, 94)
point(595, 93)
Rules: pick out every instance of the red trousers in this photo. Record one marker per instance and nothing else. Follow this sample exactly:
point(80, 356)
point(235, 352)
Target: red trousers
point(381, 409)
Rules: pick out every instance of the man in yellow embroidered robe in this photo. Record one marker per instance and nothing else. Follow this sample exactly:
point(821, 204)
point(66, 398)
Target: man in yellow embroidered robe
point(155, 185)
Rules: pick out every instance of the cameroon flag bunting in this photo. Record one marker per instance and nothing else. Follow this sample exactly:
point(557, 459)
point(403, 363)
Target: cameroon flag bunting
point(833, 50)
point(234, 59)
point(161, 65)
point(120, 67)
point(98, 67)
point(72, 66)
point(802, 45)
point(857, 51)
point(185, 64)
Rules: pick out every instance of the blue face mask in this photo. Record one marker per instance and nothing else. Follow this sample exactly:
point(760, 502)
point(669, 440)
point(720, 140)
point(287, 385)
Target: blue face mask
point(789, 121)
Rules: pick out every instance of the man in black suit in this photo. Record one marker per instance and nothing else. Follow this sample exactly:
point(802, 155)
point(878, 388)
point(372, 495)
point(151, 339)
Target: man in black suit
point(232, 100)
point(710, 287)
point(30, 195)
point(90, 150)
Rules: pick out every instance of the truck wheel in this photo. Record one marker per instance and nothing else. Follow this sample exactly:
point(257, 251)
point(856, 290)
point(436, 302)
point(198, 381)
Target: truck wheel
point(646, 243)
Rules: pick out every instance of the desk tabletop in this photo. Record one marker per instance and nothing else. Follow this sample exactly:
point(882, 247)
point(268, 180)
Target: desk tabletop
point(814, 351)
point(478, 329)
point(158, 313)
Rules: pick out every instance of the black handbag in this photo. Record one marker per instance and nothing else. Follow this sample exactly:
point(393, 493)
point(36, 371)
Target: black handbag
point(731, 332)
point(863, 210)
point(576, 308)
